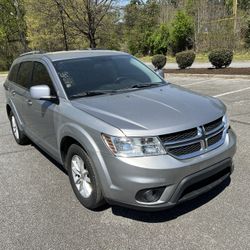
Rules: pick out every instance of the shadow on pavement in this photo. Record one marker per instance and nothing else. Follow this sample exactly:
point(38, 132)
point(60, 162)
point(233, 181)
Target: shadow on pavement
point(172, 213)
point(58, 165)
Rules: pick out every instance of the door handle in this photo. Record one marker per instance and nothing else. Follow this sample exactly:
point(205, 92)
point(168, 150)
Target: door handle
point(13, 93)
point(29, 102)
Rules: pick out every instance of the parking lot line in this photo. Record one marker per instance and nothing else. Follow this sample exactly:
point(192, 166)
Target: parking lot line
point(194, 83)
point(232, 92)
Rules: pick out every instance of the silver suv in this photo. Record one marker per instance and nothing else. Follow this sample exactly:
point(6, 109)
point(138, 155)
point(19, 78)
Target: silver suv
point(122, 132)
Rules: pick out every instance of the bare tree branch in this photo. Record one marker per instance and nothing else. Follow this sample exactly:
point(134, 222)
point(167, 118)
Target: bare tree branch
point(86, 15)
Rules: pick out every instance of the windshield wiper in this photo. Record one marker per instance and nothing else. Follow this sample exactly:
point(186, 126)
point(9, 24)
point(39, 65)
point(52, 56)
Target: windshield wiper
point(88, 93)
point(145, 85)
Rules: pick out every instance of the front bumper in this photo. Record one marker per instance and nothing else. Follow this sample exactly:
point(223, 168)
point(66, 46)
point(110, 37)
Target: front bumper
point(181, 179)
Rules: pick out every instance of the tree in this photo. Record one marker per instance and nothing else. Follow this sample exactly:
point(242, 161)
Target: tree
point(12, 31)
point(182, 32)
point(140, 21)
point(159, 40)
point(111, 36)
point(48, 28)
point(86, 16)
point(247, 35)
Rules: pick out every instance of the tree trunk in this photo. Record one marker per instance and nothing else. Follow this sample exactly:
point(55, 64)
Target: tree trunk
point(92, 40)
point(65, 39)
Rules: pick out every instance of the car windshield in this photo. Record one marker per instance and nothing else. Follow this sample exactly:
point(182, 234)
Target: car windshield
point(104, 74)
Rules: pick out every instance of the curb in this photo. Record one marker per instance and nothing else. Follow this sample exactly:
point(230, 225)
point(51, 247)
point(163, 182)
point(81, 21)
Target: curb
point(209, 75)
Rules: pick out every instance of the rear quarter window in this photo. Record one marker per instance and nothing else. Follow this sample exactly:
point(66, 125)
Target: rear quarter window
point(13, 73)
point(24, 74)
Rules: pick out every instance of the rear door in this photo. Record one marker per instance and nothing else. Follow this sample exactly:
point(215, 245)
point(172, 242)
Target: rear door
point(41, 115)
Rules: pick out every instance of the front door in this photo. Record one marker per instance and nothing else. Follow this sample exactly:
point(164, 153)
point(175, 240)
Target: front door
point(40, 115)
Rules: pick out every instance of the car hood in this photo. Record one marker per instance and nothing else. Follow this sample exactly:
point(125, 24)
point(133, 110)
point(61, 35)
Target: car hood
point(153, 111)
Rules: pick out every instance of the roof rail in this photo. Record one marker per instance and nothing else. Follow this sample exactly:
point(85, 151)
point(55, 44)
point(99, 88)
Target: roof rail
point(97, 49)
point(32, 53)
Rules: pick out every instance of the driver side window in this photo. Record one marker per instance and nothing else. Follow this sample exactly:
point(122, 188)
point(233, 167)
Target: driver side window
point(40, 76)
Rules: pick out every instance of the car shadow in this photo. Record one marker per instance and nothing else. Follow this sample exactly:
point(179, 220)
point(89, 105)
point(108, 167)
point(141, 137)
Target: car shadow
point(171, 213)
point(58, 165)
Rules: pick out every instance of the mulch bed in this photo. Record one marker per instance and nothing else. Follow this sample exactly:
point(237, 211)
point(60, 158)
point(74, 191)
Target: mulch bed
point(223, 71)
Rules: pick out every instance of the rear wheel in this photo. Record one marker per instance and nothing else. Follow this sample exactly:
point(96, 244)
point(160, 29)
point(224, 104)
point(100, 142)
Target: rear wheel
point(83, 177)
point(19, 135)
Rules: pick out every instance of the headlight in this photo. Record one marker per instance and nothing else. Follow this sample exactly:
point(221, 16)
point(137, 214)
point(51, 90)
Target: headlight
point(134, 147)
point(226, 121)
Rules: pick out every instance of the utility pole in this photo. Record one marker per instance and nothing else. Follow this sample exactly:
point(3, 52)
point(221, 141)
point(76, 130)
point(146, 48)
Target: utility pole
point(235, 7)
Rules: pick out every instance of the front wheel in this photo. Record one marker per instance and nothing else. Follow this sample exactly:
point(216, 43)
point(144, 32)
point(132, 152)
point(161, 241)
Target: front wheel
point(19, 135)
point(83, 177)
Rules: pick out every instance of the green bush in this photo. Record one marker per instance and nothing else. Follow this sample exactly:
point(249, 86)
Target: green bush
point(159, 61)
point(221, 58)
point(181, 32)
point(185, 59)
point(159, 40)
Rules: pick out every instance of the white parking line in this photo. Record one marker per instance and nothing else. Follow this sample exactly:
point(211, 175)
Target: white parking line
point(231, 92)
point(194, 83)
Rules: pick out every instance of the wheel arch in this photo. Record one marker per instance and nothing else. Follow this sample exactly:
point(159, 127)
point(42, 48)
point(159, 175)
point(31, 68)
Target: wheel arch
point(65, 144)
point(69, 134)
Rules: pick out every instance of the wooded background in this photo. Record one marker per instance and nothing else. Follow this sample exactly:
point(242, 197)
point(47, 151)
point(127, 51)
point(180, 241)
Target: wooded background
point(139, 27)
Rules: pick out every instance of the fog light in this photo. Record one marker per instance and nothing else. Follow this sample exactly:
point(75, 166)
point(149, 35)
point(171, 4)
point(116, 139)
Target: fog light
point(149, 195)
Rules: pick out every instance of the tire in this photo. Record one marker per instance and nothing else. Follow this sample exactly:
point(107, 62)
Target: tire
point(19, 135)
point(83, 178)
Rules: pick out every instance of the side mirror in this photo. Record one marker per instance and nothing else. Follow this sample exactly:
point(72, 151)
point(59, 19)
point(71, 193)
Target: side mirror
point(42, 92)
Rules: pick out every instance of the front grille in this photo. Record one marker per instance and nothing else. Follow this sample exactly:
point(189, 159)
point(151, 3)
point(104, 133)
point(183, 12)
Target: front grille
point(179, 136)
point(184, 150)
point(192, 142)
point(211, 141)
point(213, 125)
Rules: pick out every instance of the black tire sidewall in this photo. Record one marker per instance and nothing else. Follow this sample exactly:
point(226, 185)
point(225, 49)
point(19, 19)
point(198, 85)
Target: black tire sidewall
point(95, 198)
point(22, 137)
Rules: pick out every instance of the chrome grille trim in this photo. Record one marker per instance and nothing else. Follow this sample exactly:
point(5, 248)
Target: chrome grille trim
point(202, 137)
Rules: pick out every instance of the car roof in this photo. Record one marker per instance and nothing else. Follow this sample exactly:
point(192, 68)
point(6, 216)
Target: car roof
point(65, 55)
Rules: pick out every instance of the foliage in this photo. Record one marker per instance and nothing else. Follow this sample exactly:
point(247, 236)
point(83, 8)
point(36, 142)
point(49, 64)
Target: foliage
point(247, 35)
point(221, 58)
point(12, 31)
point(185, 59)
point(86, 17)
point(159, 40)
point(159, 61)
point(182, 32)
point(242, 4)
point(140, 21)
point(140, 27)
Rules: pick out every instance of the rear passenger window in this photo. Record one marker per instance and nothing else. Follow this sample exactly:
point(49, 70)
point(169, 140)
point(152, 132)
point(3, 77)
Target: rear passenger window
point(41, 76)
point(24, 74)
point(13, 73)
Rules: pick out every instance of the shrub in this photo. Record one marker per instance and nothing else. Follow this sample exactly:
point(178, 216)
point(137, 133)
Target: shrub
point(221, 58)
point(159, 61)
point(185, 59)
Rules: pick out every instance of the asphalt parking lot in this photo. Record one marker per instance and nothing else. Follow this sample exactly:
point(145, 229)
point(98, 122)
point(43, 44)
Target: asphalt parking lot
point(38, 209)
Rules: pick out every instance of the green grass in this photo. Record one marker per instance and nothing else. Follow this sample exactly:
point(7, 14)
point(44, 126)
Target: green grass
point(3, 73)
point(203, 58)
